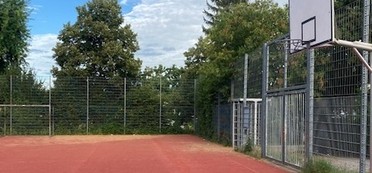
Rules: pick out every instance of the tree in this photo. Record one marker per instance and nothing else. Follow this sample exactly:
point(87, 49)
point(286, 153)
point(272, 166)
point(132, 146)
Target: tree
point(98, 44)
point(237, 29)
point(347, 70)
point(214, 8)
point(177, 95)
point(342, 3)
point(13, 34)
point(197, 56)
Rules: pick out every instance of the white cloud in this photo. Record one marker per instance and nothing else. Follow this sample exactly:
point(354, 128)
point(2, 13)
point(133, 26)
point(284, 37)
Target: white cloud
point(34, 8)
point(123, 2)
point(166, 29)
point(281, 2)
point(40, 55)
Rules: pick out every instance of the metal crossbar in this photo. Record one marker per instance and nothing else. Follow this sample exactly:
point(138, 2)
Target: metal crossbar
point(7, 105)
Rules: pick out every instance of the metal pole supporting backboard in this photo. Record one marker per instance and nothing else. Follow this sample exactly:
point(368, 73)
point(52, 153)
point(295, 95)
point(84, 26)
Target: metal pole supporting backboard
point(363, 121)
point(366, 31)
point(363, 146)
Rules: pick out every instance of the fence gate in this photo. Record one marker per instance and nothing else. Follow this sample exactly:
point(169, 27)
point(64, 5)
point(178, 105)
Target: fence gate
point(287, 102)
point(285, 126)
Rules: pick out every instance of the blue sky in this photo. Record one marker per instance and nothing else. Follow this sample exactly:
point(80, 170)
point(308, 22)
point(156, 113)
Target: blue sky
point(165, 29)
point(48, 16)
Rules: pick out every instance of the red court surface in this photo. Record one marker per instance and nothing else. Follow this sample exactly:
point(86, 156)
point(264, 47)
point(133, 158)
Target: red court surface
point(147, 154)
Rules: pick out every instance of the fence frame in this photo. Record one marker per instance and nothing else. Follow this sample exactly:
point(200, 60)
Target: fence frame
point(285, 91)
point(190, 104)
point(241, 121)
point(310, 94)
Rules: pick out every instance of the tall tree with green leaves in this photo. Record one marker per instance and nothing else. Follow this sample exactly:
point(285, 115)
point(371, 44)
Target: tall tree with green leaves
point(237, 29)
point(214, 7)
point(197, 56)
point(98, 44)
point(14, 34)
point(176, 93)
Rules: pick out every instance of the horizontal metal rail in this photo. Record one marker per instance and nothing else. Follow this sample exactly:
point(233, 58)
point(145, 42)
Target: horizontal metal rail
point(287, 89)
point(6, 105)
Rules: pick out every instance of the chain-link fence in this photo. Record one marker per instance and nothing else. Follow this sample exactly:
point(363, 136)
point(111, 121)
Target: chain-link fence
point(246, 88)
point(284, 103)
point(315, 103)
point(222, 122)
point(340, 100)
point(316, 100)
point(37, 106)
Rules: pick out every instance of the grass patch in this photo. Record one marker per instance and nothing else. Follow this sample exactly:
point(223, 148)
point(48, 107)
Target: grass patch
point(322, 166)
point(250, 149)
point(256, 152)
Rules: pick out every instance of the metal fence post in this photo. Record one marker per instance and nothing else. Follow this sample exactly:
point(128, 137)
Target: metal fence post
point(285, 101)
point(363, 147)
point(195, 119)
point(232, 107)
point(125, 104)
point(370, 118)
point(363, 121)
point(11, 108)
point(310, 103)
point(265, 87)
point(245, 80)
point(87, 119)
point(160, 108)
point(5, 121)
point(50, 106)
point(245, 95)
point(255, 123)
point(53, 121)
point(218, 116)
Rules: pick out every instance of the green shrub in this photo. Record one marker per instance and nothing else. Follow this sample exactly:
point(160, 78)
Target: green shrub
point(256, 152)
point(318, 166)
point(248, 147)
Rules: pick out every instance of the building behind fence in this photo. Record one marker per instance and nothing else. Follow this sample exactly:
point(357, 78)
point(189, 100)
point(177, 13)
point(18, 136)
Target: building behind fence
point(96, 106)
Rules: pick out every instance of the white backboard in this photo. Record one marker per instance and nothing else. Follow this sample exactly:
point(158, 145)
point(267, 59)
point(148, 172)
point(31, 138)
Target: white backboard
point(311, 21)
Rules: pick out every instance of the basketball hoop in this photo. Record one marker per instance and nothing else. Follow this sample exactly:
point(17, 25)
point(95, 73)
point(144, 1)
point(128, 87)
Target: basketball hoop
point(314, 26)
point(291, 45)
